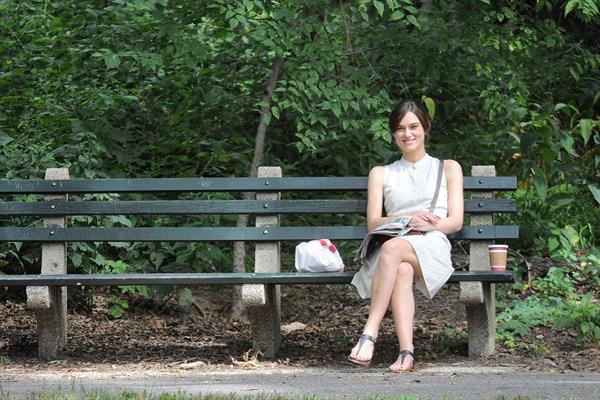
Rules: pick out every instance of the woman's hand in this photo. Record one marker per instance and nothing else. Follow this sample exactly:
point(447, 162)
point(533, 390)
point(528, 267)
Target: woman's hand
point(423, 221)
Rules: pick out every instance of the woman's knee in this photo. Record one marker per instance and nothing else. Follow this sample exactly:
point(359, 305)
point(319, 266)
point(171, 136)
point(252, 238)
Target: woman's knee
point(405, 274)
point(393, 249)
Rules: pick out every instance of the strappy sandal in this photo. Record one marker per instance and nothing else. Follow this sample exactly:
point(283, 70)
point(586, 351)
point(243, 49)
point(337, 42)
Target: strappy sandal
point(403, 355)
point(361, 341)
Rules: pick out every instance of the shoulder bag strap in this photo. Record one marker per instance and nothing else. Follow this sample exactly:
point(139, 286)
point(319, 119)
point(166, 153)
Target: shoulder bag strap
point(437, 186)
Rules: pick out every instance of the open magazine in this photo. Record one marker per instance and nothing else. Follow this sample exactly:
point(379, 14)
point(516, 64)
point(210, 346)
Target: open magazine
point(379, 234)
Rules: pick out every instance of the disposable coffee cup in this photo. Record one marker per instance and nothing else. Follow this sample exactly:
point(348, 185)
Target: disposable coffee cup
point(498, 254)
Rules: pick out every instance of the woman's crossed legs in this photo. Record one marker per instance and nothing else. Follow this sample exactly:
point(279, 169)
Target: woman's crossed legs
point(392, 284)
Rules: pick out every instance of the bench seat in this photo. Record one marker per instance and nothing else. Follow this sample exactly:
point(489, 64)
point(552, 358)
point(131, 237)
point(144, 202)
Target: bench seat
point(227, 278)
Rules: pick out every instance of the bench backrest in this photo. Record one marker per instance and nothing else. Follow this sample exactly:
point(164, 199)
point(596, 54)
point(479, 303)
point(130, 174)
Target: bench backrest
point(318, 187)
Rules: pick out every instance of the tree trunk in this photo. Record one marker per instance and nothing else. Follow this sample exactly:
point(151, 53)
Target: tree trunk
point(239, 249)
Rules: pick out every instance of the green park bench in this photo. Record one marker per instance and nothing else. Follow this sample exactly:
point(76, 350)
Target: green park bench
point(46, 292)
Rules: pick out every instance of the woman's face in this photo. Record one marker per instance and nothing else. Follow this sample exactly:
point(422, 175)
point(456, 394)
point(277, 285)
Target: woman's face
point(410, 135)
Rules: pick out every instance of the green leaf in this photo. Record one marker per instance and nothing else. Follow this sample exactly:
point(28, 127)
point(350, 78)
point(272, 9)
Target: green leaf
point(75, 259)
point(379, 6)
point(430, 104)
point(560, 199)
point(567, 143)
point(570, 6)
point(396, 15)
point(585, 129)
point(157, 258)
point(559, 106)
point(275, 111)
point(112, 60)
point(121, 219)
point(540, 186)
point(116, 311)
point(142, 290)
point(585, 327)
point(517, 114)
point(267, 118)
point(5, 139)
point(413, 20)
point(569, 233)
point(393, 4)
point(553, 244)
point(595, 192)
point(99, 259)
point(574, 74)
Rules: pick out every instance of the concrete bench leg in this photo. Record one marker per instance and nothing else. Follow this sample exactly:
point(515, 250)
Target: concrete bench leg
point(263, 301)
point(50, 303)
point(482, 324)
point(266, 322)
point(51, 322)
point(479, 298)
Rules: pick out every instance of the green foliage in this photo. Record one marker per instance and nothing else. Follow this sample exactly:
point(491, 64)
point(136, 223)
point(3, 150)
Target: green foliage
point(584, 316)
point(558, 225)
point(556, 284)
point(117, 306)
point(518, 319)
point(566, 298)
point(174, 89)
point(586, 10)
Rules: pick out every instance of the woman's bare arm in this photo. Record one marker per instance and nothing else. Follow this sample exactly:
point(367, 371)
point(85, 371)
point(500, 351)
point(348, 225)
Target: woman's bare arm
point(375, 199)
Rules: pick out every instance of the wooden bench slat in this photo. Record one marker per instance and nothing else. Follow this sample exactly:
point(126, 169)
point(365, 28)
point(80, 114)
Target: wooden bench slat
point(166, 185)
point(168, 234)
point(183, 207)
point(211, 278)
point(490, 183)
point(485, 206)
point(190, 207)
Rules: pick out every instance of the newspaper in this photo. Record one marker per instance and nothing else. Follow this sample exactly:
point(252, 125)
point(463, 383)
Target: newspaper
point(375, 237)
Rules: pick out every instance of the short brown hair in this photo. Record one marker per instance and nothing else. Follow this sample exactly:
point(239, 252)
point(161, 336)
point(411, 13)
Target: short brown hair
point(414, 107)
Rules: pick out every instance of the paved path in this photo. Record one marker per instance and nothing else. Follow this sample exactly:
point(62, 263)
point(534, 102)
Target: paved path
point(431, 383)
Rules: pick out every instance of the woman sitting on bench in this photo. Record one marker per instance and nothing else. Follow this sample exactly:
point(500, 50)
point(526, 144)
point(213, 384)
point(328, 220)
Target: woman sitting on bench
point(430, 192)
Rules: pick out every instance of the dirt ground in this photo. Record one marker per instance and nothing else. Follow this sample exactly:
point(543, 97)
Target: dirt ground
point(203, 335)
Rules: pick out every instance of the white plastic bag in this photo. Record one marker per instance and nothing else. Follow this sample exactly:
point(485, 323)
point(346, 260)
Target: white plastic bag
point(318, 256)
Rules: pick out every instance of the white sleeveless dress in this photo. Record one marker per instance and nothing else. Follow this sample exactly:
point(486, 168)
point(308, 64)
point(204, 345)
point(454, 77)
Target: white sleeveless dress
point(410, 187)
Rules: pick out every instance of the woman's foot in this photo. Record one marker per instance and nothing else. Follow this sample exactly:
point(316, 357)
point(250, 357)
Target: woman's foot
point(405, 362)
point(362, 353)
